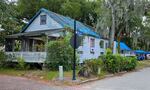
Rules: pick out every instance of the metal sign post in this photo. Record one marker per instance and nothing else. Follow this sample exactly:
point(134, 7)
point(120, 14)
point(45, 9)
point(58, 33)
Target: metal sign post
point(74, 62)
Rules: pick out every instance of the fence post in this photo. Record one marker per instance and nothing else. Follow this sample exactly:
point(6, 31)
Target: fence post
point(61, 77)
point(99, 70)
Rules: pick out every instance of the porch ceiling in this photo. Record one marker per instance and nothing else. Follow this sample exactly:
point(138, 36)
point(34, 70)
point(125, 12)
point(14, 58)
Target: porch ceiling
point(36, 33)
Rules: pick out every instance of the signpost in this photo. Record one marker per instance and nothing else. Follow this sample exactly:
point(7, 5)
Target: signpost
point(74, 62)
point(75, 42)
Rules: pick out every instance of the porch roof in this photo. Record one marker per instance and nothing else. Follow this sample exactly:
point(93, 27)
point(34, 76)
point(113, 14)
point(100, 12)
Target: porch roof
point(35, 33)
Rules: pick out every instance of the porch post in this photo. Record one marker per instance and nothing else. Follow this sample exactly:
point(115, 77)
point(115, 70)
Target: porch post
point(33, 45)
point(22, 45)
point(13, 45)
point(27, 44)
point(46, 42)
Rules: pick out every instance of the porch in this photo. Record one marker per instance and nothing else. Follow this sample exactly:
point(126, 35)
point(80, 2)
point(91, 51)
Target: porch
point(30, 46)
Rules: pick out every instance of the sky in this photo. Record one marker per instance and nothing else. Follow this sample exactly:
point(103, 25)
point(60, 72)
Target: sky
point(12, 0)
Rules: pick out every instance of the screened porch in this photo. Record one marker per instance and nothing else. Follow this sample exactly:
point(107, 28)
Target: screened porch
point(30, 46)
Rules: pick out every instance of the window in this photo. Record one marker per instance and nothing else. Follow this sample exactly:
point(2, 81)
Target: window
point(101, 44)
point(80, 52)
point(92, 42)
point(43, 19)
point(82, 40)
point(106, 45)
point(102, 53)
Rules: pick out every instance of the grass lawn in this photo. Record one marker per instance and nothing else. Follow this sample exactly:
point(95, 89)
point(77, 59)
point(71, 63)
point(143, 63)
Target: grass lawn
point(143, 64)
point(37, 74)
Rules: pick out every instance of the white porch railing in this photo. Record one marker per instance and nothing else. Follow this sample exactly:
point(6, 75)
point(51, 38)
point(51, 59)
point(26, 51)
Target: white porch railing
point(31, 57)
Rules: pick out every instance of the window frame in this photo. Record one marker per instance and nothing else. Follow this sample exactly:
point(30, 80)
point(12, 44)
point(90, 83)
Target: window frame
point(43, 19)
point(101, 44)
point(92, 42)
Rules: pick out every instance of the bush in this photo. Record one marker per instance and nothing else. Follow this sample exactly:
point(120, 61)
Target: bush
point(59, 53)
point(109, 62)
point(21, 63)
point(108, 51)
point(90, 67)
point(3, 58)
point(117, 63)
point(131, 63)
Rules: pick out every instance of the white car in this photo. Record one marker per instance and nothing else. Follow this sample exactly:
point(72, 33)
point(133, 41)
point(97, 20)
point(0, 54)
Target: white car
point(148, 56)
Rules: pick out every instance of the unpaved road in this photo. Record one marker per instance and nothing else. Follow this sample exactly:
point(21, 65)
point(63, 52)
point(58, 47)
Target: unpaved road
point(132, 81)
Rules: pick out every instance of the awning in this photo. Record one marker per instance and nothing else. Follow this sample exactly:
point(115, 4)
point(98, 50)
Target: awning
point(123, 46)
point(147, 52)
point(139, 51)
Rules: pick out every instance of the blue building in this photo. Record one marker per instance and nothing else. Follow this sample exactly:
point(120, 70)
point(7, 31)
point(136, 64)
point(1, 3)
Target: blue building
point(53, 26)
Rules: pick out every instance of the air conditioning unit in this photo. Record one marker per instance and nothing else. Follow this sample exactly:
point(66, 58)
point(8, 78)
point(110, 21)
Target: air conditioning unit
point(92, 51)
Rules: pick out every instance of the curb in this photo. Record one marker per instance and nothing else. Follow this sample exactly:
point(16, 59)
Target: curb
point(89, 80)
point(106, 76)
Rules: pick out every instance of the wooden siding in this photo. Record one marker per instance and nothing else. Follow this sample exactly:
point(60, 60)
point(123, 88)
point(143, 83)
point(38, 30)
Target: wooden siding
point(51, 24)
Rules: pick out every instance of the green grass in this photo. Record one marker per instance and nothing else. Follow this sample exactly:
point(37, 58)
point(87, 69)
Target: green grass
point(37, 74)
point(143, 64)
point(50, 75)
point(12, 72)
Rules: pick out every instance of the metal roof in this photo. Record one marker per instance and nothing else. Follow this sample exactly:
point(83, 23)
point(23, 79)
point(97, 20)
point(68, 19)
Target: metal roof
point(65, 22)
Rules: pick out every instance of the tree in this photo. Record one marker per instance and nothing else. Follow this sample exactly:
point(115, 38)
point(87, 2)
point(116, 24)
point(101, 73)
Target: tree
point(8, 19)
point(82, 10)
point(125, 17)
point(72, 9)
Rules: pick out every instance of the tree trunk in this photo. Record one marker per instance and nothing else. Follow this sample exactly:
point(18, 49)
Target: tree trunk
point(112, 31)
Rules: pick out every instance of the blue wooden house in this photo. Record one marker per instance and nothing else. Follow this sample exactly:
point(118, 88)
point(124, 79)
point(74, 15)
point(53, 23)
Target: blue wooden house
point(46, 26)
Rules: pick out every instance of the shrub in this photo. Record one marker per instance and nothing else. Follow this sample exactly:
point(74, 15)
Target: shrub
point(108, 51)
point(117, 63)
point(112, 63)
point(131, 63)
point(90, 67)
point(3, 58)
point(59, 53)
point(21, 63)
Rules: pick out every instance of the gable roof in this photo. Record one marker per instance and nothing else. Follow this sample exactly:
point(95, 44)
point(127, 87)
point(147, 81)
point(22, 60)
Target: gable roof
point(123, 46)
point(65, 22)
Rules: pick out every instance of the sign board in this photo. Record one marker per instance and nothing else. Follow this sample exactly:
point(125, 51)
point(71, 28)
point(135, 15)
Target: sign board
point(78, 41)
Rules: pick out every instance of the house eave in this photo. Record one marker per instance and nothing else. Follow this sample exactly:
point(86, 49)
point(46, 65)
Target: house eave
point(35, 33)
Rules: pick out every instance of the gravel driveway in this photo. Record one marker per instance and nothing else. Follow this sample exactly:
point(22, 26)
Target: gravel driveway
point(132, 81)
